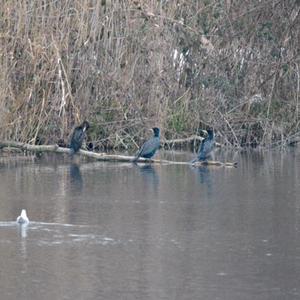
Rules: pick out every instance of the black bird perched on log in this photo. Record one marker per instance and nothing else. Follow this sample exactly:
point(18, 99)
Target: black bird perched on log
point(78, 137)
point(149, 147)
point(207, 146)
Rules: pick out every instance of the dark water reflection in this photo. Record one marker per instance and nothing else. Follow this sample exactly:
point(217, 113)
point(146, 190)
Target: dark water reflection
point(125, 231)
point(76, 182)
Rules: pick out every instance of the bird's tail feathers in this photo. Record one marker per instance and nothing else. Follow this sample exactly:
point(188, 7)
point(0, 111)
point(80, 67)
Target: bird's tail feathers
point(72, 152)
point(194, 160)
point(135, 159)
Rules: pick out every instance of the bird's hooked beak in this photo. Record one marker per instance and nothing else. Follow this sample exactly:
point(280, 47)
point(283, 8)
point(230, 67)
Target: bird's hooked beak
point(85, 127)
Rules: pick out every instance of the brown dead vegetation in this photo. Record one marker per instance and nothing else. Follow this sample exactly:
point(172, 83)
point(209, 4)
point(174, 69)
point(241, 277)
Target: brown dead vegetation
point(129, 65)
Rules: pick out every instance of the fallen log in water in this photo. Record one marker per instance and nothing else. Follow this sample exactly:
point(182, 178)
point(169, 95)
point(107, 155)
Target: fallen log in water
point(193, 138)
point(215, 163)
point(104, 156)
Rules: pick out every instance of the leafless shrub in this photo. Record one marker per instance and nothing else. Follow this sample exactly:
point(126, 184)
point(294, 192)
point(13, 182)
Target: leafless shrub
point(128, 65)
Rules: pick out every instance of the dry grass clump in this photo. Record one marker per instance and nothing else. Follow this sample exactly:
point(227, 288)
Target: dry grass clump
point(127, 65)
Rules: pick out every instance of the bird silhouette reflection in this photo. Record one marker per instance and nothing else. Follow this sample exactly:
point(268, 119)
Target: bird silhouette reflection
point(76, 178)
point(149, 176)
point(204, 178)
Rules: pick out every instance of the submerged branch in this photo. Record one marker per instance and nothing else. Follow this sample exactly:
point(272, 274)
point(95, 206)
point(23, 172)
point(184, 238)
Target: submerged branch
point(104, 156)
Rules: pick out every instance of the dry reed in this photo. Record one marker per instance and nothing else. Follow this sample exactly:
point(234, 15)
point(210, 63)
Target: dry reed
point(128, 65)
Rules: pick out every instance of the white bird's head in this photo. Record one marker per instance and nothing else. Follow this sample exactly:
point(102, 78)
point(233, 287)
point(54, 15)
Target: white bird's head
point(23, 219)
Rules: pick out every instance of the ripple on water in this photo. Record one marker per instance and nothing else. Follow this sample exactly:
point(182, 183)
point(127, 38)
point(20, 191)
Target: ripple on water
point(57, 234)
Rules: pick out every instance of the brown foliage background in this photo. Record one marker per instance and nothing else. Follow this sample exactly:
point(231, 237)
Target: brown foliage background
point(129, 65)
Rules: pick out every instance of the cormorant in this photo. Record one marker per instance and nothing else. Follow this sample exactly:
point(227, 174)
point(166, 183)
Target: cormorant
point(22, 219)
point(149, 147)
point(78, 137)
point(207, 146)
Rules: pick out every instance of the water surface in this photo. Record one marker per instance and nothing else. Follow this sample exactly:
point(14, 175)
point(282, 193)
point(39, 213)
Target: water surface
point(123, 231)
